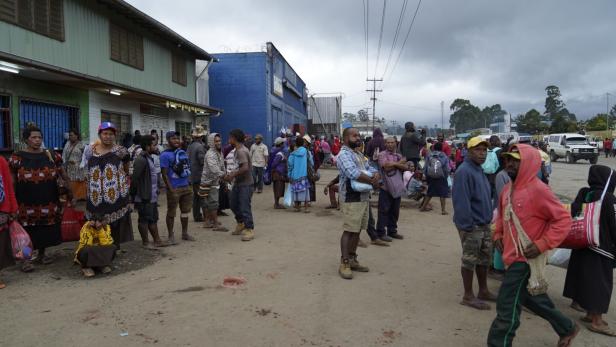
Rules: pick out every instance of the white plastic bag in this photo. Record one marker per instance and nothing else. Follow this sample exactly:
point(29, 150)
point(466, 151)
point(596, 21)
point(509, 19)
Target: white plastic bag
point(288, 196)
point(560, 258)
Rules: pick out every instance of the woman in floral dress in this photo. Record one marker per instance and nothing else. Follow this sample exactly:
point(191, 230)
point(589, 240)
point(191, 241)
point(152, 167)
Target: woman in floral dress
point(107, 169)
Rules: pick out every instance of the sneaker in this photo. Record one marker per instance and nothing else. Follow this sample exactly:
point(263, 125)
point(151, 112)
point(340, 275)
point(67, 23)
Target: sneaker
point(106, 270)
point(396, 236)
point(238, 229)
point(248, 235)
point(355, 266)
point(345, 270)
point(379, 242)
point(386, 238)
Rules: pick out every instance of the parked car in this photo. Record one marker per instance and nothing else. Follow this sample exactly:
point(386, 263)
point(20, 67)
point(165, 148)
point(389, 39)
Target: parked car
point(572, 147)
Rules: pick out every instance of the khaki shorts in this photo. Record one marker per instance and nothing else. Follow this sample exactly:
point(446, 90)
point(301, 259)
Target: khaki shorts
point(210, 202)
point(180, 196)
point(355, 216)
point(476, 247)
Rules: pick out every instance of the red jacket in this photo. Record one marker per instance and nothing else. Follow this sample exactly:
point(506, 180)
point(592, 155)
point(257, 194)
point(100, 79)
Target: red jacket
point(541, 214)
point(607, 144)
point(9, 205)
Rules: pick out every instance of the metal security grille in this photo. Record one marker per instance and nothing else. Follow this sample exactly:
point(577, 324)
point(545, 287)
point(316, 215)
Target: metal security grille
point(5, 122)
point(184, 128)
point(121, 121)
point(54, 120)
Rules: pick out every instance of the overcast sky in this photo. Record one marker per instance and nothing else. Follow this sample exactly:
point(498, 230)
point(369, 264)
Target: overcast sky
point(487, 51)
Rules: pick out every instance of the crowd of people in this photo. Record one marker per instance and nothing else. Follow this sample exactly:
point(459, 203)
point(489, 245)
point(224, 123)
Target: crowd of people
point(505, 213)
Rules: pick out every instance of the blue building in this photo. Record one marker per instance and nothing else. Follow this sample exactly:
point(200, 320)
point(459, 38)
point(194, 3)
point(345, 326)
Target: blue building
point(260, 93)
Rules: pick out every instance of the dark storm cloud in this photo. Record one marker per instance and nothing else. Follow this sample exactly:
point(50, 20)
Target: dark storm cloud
point(487, 51)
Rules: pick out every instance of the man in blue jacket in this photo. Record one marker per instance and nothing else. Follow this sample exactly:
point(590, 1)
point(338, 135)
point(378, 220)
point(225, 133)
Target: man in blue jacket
point(472, 205)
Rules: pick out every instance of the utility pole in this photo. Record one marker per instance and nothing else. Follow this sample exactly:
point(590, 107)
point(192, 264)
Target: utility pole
point(443, 117)
point(373, 98)
point(607, 113)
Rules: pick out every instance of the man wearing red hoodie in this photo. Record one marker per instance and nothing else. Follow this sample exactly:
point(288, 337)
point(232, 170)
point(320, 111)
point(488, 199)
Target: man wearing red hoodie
point(545, 221)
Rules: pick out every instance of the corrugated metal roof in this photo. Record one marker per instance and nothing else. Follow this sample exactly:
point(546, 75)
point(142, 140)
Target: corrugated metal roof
point(150, 23)
point(325, 110)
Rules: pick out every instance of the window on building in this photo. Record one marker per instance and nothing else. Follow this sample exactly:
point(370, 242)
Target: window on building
point(178, 69)
point(184, 128)
point(290, 75)
point(126, 46)
point(5, 123)
point(45, 17)
point(120, 120)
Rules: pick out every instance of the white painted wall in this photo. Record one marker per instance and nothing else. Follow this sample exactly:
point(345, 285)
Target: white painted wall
point(113, 103)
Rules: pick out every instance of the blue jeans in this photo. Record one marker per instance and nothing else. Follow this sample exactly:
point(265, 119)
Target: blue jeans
point(241, 196)
point(257, 175)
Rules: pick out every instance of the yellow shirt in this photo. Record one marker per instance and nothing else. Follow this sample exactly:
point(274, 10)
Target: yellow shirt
point(88, 236)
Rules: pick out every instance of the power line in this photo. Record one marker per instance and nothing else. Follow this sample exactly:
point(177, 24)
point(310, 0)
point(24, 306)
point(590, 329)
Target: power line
point(378, 52)
point(395, 40)
point(366, 5)
point(408, 33)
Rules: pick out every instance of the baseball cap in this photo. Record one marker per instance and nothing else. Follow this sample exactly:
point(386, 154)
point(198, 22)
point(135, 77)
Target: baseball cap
point(476, 141)
point(514, 152)
point(106, 126)
point(307, 138)
point(171, 133)
point(278, 140)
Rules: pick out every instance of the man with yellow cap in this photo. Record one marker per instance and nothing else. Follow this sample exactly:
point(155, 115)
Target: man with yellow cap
point(472, 205)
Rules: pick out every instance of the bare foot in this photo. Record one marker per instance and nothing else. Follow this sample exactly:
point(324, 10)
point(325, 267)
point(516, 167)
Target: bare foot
point(565, 341)
point(487, 296)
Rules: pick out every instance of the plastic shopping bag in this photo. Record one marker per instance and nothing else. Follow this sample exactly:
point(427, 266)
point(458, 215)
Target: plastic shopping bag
point(288, 196)
point(20, 242)
point(560, 258)
point(72, 220)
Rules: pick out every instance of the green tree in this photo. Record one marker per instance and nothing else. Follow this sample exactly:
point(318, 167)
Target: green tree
point(553, 103)
point(530, 122)
point(596, 123)
point(465, 116)
point(363, 116)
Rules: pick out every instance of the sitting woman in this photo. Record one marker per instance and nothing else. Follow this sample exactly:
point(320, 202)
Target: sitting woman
point(96, 249)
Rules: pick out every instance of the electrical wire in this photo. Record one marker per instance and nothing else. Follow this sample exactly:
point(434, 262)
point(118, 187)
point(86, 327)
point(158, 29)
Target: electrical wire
point(408, 33)
point(395, 40)
point(366, 4)
point(378, 52)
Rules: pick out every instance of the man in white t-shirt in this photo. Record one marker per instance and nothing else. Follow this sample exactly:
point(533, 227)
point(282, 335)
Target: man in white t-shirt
point(259, 156)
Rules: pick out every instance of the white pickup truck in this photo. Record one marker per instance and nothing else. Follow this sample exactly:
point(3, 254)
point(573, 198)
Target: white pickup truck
point(572, 147)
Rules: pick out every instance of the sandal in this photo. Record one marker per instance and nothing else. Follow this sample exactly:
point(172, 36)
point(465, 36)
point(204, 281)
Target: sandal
point(46, 260)
point(87, 272)
point(2, 285)
point(27, 267)
point(476, 304)
point(603, 330)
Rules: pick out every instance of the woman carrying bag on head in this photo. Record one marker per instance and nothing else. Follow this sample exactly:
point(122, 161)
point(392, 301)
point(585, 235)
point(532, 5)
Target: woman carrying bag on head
point(590, 278)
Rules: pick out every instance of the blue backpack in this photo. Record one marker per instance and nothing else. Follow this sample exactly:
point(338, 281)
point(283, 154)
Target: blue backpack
point(491, 165)
point(180, 165)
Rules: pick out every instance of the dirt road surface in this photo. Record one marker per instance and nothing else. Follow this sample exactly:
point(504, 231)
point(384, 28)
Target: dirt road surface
point(293, 295)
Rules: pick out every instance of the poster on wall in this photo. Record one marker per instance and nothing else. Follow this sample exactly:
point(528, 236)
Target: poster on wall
point(278, 86)
point(149, 123)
